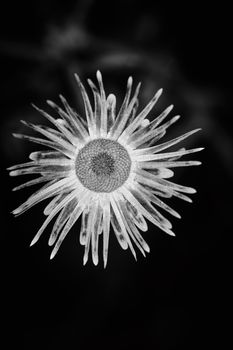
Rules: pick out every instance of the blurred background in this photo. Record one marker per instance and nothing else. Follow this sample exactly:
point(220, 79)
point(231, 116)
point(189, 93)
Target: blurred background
point(176, 297)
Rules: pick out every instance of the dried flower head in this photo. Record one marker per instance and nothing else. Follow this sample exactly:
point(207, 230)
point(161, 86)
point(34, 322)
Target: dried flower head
point(107, 168)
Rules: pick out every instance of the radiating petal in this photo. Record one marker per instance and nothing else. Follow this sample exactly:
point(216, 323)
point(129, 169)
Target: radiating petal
point(136, 217)
point(56, 170)
point(175, 186)
point(62, 219)
point(161, 117)
point(83, 231)
point(115, 198)
point(125, 103)
point(68, 152)
point(66, 200)
point(74, 123)
point(146, 209)
point(165, 145)
point(145, 137)
point(51, 135)
point(149, 157)
point(132, 113)
point(95, 233)
point(137, 121)
point(87, 105)
point(155, 173)
point(152, 141)
point(47, 155)
point(43, 194)
point(106, 230)
point(98, 106)
point(119, 133)
point(92, 208)
point(71, 221)
point(152, 198)
point(33, 182)
point(77, 121)
point(103, 117)
point(168, 164)
point(140, 137)
point(123, 114)
point(181, 196)
point(158, 185)
point(133, 231)
point(53, 203)
point(111, 111)
point(118, 229)
point(55, 122)
point(129, 230)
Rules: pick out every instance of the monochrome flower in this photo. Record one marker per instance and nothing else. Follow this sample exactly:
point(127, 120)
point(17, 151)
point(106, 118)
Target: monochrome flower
point(106, 168)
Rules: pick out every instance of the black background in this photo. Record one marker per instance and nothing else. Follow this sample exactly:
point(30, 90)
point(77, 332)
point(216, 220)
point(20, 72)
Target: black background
point(176, 298)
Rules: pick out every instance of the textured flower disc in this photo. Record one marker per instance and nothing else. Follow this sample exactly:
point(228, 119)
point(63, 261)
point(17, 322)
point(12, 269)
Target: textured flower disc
point(102, 165)
point(107, 168)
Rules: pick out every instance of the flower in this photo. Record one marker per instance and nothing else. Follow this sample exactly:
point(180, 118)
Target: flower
point(107, 168)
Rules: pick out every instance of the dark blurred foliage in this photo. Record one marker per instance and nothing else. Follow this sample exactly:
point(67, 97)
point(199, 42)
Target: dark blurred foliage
point(176, 298)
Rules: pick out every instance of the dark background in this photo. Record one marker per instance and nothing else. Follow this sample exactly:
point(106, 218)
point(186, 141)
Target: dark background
point(176, 298)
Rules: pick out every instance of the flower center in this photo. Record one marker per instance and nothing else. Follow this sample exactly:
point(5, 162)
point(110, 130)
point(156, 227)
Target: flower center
point(102, 165)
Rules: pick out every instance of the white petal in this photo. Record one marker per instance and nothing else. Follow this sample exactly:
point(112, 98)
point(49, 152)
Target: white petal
point(33, 182)
point(74, 123)
point(92, 207)
point(47, 156)
point(133, 231)
point(71, 221)
point(95, 233)
point(43, 194)
point(68, 152)
point(136, 217)
point(83, 231)
point(166, 155)
point(116, 195)
point(106, 230)
point(129, 113)
point(137, 121)
point(66, 200)
point(155, 173)
point(59, 126)
point(123, 114)
point(168, 164)
point(87, 105)
point(111, 111)
point(54, 202)
point(115, 222)
point(103, 118)
point(130, 196)
point(161, 117)
point(165, 145)
point(97, 109)
point(152, 197)
point(62, 218)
